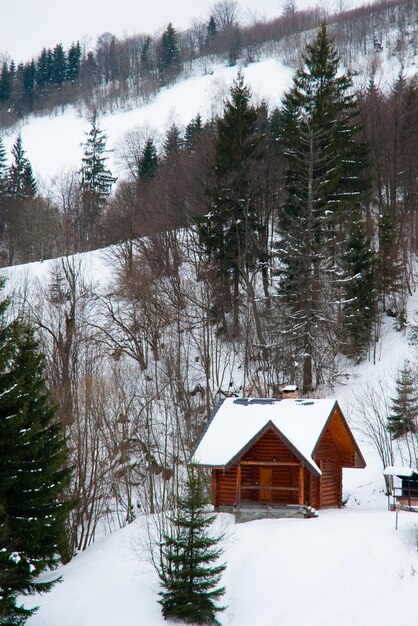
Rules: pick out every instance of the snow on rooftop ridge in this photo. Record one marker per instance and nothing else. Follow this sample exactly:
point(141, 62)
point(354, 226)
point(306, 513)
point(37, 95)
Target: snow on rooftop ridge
point(399, 470)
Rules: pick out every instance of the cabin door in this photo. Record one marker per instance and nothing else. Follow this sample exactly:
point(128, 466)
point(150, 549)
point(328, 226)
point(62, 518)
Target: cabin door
point(265, 479)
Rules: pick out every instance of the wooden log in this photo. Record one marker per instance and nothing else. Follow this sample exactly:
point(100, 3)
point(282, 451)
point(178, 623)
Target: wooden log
point(238, 490)
point(301, 485)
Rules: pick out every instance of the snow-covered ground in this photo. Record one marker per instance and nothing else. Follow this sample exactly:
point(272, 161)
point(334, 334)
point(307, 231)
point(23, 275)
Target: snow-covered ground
point(53, 144)
point(346, 567)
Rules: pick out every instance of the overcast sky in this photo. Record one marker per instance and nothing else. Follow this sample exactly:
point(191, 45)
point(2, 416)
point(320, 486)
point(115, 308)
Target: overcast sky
point(27, 25)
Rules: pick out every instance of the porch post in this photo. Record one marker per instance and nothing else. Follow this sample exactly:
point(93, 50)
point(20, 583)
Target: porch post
point(238, 487)
point(301, 485)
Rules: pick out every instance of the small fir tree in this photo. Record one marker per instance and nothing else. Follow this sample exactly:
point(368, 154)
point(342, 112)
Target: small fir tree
point(170, 63)
point(148, 164)
point(21, 181)
point(96, 182)
point(193, 131)
point(190, 574)
point(173, 141)
point(404, 406)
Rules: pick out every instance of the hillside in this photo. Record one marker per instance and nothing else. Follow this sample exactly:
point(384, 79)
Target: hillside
point(354, 556)
point(253, 225)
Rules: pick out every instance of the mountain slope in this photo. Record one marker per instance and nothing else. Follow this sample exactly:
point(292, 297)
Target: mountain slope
point(348, 566)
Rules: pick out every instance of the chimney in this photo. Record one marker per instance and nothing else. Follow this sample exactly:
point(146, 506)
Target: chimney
point(290, 391)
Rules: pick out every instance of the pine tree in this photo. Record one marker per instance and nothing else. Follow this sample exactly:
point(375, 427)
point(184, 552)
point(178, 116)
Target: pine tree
point(44, 70)
point(193, 131)
point(190, 575)
point(359, 289)
point(404, 406)
point(33, 476)
point(169, 64)
point(21, 181)
point(173, 141)
point(211, 32)
point(230, 231)
point(59, 65)
point(96, 183)
point(148, 164)
point(326, 183)
point(5, 83)
point(73, 62)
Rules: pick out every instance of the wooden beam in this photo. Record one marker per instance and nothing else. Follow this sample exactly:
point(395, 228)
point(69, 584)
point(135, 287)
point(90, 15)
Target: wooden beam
point(301, 485)
point(270, 463)
point(238, 490)
point(269, 487)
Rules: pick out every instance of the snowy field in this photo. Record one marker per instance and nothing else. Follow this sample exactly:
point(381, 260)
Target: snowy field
point(349, 567)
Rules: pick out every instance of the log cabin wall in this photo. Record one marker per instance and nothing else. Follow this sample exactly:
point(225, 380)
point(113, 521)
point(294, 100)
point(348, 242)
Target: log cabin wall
point(331, 461)
point(269, 449)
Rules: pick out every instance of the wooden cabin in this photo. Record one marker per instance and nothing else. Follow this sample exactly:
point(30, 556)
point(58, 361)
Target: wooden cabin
point(277, 452)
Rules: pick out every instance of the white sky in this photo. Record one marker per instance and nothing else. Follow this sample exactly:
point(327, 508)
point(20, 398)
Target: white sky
point(27, 25)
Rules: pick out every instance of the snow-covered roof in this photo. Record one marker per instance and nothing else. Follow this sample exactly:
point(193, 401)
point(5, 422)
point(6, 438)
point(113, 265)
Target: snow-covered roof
point(238, 420)
point(398, 470)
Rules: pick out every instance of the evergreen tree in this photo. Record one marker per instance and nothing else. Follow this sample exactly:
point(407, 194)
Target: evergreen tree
point(190, 575)
point(404, 406)
point(148, 164)
point(169, 64)
point(326, 183)
point(73, 62)
point(59, 65)
point(21, 181)
point(230, 231)
point(96, 182)
point(211, 32)
point(359, 289)
point(32, 472)
point(193, 131)
point(29, 85)
point(5, 83)
point(145, 57)
point(44, 70)
point(173, 141)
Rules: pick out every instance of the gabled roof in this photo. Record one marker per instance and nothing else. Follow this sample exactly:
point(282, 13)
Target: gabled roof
point(237, 422)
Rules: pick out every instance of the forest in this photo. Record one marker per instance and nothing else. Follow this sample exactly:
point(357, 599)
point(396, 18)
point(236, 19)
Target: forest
point(261, 247)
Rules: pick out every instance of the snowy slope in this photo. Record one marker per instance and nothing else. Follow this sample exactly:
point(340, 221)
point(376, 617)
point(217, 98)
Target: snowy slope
point(350, 567)
point(53, 144)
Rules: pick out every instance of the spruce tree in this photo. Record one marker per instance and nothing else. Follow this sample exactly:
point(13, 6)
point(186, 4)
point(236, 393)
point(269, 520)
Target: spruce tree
point(21, 181)
point(326, 183)
point(96, 183)
point(173, 141)
point(33, 475)
point(73, 62)
point(193, 131)
point(230, 230)
point(190, 574)
point(359, 303)
point(59, 65)
point(148, 164)
point(403, 418)
point(169, 64)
